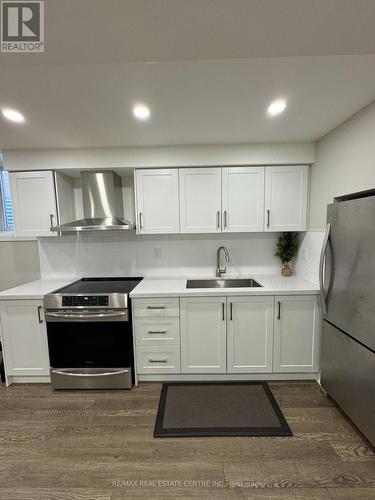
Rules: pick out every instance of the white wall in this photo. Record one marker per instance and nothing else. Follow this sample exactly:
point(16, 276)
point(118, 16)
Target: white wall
point(19, 263)
point(125, 254)
point(345, 163)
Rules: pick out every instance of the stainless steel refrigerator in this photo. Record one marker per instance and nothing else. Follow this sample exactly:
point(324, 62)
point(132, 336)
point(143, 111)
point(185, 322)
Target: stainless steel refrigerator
point(347, 285)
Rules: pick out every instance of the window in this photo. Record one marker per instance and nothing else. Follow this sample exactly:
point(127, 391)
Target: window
point(6, 207)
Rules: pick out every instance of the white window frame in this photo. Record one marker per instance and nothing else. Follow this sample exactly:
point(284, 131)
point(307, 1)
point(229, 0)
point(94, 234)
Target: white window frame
point(5, 234)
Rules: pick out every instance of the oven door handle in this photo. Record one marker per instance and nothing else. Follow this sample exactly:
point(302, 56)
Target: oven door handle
point(77, 374)
point(85, 316)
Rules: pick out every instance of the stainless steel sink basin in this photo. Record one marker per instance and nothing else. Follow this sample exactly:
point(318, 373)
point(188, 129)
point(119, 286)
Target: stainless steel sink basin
point(223, 283)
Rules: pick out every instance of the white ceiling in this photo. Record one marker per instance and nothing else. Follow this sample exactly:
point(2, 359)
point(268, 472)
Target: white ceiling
point(201, 102)
point(216, 65)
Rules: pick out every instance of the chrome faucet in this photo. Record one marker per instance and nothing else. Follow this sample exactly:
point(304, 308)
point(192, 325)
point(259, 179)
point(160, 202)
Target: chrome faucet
point(219, 269)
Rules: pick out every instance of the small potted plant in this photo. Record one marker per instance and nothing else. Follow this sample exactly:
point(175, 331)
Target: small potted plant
point(286, 249)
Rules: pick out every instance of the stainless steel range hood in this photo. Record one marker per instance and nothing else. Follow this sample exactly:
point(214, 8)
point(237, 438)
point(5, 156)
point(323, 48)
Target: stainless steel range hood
point(102, 204)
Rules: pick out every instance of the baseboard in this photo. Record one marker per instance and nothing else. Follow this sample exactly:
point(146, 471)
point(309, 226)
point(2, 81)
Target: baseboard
point(190, 377)
point(28, 380)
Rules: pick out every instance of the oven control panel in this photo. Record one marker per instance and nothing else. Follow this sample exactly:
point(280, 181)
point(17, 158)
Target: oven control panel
point(85, 300)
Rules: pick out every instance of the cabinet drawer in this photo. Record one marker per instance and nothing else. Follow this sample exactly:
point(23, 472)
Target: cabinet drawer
point(158, 360)
point(156, 307)
point(157, 331)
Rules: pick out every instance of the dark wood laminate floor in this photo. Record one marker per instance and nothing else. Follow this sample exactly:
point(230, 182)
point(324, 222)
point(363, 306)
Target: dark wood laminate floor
point(99, 446)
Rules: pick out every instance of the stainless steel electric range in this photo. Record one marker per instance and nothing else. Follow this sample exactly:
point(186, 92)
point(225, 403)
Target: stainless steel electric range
point(90, 338)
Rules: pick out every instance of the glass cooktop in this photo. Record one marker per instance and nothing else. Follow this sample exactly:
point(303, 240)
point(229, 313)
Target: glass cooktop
point(101, 285)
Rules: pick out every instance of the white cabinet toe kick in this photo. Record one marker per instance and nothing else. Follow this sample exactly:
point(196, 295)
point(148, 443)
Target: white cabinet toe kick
point(227, 338)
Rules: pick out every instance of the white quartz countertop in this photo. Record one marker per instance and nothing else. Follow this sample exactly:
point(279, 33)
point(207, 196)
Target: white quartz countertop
point(35, 289)
point(271, 285)
point(174, 287)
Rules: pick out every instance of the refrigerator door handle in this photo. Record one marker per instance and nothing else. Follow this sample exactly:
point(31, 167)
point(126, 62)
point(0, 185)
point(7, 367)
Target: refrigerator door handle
point(321, 269)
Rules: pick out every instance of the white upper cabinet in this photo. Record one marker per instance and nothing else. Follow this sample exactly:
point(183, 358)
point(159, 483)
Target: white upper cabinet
point(250, 334)
point(34, 202)
point(286, 198)
point(203, 334)
point(157, 201)
point(296, 334)
point(200, 200)
point(242, 199)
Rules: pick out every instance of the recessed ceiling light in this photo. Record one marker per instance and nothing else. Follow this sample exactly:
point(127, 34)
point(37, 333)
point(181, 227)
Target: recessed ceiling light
point(276, 107)
point(13, 115)
point(141, 112)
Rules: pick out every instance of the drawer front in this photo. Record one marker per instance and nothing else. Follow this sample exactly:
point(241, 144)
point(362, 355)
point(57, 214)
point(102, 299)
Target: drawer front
point(157, 331)
point(158, 360)
point(156, 307)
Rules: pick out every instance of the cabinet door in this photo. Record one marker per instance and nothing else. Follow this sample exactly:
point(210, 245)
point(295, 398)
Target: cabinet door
point(25, 338)
point(200, 200)
point(34, 202)
point(296, 334)
point(286, 198)
point(157, 206)
point(243, 199)
point(203, 335)
point(250, 334)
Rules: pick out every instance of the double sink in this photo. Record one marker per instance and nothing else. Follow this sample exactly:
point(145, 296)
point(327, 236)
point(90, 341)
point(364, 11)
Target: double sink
point(223, 283)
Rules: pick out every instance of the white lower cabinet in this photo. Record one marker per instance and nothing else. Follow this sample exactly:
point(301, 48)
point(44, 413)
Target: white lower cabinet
point(203, 335)
point(250, 334)
point(157, 336)
point(296, 334)
point(158, 359)
point(24, 335)
point(194, 335)
point(233, 335)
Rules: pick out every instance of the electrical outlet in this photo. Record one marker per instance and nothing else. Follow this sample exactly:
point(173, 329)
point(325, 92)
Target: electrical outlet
point(157, 253)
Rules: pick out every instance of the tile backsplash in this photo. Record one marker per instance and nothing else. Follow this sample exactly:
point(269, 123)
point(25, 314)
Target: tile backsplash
point(115, 254)
point(126, 254)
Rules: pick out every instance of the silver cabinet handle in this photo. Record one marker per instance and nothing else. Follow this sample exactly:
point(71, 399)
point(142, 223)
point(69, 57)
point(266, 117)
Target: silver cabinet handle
point(140, 221)
point(155, 307)
point(321, 269)
point(40, 317)
point(268, 218)
point(151, 360)
point(103, 374)
point(223, 311)
point(225, 219)
point(51, 217)
point(156, 332)
point(218, 219)
point(231, 311)
point(84, 316)
point(278, 309)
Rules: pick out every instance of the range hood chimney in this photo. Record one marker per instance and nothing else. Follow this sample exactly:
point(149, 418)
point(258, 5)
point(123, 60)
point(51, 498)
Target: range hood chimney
point(102, 204)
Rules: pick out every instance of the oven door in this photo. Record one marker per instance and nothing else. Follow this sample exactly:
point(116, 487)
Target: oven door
point(90, 349)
